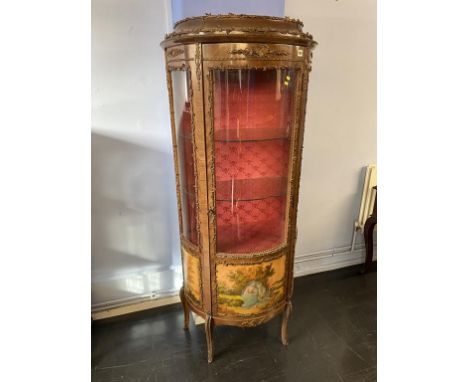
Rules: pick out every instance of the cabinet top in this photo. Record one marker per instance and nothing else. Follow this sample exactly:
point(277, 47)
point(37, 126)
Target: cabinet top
point(238, 28)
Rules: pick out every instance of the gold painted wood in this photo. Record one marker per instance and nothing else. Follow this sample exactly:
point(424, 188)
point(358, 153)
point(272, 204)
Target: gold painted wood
point(245, 28)
point(200, 46)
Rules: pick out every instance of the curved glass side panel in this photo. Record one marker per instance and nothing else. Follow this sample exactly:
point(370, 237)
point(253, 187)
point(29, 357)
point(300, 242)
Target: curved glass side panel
point(253, 111)
point(185, 149)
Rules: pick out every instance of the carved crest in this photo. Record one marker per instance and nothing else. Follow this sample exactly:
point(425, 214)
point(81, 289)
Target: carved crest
point(262, 51)
point(175, 52)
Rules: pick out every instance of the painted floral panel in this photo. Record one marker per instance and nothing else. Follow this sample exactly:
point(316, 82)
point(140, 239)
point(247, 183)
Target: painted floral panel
point(250, 289)
point(192, 280)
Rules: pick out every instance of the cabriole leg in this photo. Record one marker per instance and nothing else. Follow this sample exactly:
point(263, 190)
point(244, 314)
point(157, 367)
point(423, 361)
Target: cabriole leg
point(186, 308)
point(209, 337)
point(284, 324)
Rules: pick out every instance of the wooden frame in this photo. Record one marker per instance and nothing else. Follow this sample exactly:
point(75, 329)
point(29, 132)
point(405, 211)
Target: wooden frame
point(200, 46)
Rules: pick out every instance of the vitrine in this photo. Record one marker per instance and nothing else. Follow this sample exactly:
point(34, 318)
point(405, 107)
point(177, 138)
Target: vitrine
point(237, 89)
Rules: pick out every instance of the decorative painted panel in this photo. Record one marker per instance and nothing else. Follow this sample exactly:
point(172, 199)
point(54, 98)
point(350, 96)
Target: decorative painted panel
point(192, 277)
point(247, 289)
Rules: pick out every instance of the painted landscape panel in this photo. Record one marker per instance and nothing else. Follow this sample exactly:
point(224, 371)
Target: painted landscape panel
point(250, 289)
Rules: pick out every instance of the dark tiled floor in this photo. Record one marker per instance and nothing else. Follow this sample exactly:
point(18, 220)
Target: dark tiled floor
point(332, 332)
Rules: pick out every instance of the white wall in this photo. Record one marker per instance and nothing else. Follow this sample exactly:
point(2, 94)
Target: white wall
point(341, 132)
point(135, 247)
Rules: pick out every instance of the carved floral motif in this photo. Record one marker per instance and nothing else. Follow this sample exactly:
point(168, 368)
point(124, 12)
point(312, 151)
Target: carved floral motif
point(262, 51)
point(175, 52)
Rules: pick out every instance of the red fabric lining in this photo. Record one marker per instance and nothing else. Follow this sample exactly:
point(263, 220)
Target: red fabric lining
point(251, 123)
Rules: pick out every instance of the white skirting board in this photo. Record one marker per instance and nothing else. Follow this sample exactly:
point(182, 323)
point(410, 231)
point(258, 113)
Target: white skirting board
point(134, 306)
point(303, 265)
point(330, 260)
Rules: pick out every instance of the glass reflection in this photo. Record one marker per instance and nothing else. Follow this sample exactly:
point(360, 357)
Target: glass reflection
point(184, 136)
point(252, 124)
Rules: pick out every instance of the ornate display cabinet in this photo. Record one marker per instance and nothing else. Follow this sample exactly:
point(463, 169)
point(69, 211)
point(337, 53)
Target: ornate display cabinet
point(237, 86)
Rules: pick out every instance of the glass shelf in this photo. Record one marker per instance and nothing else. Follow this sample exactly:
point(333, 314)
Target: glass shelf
point(250, 189)
point(250, 140)
point(241, 140)
point(250, 226)
point(251, 134)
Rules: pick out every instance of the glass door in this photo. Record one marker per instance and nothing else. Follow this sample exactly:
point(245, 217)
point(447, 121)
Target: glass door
point(252, 123)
